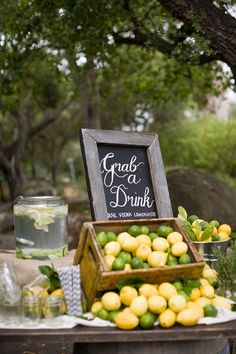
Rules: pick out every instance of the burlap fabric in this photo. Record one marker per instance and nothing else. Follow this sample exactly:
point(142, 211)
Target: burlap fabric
point(27, 269)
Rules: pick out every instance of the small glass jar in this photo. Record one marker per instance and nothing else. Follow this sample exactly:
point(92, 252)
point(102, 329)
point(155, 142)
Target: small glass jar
point(12, 313)
point(52, 309)
point(30, 311)
point(40, 227)
point(9, 288)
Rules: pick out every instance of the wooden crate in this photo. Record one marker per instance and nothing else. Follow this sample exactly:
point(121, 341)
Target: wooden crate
point(95, 275)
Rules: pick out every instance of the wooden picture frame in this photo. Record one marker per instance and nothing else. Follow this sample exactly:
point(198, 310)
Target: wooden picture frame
point(127, 147)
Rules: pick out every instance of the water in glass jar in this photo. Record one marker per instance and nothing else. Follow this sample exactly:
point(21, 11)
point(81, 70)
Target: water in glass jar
point(40, 228)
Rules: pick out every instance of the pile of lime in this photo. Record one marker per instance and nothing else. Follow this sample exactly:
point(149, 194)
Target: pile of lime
point(138, 248)
point(182, 301)
point(201, 230)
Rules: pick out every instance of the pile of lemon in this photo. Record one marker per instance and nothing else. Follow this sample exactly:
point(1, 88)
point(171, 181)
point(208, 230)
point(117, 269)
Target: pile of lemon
point(212, 231)
point(183, 302)
point(139, 248)
point(203, 231)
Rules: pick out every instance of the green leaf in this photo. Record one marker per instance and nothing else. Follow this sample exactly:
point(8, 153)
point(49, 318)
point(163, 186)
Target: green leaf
point(52, 275)
point(197, 226)
point(135, 282)
point(182, 213)
point(46, 270)
point(189, 231)
point(193, 283)
point(207, 232)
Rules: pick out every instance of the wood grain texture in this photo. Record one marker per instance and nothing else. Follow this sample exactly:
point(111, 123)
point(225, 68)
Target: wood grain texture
point(81, 334)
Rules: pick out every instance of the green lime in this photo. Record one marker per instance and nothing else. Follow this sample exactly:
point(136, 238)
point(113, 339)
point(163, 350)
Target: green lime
point(210, 311)
point(111, 236)
point(118, 264)
point(147, 320)
point(112, 315)
point(213, 281)
point(184, 294)
point(164, 230)
point(192, 218)
point(102, 238)
point(134, 230)
point(204, 224)
point(103, 314)
point(126, 256)
point(184, 259)
point(153, 235)
point(171, 258)
point(233, 235)
point(172, 263)
point(215, 223)
point(144, 230)
point(215, 237)
point(146, 265)
point(178, 285)
point(136, 263)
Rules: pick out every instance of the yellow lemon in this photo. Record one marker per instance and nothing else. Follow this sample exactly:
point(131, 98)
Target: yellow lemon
point(129, 244)
point(196, 307)
point(160, 244)
point(208, 272)
point(157, 258)
point(109, 259)
point(157, 304)
point(122, 236)
point(195, 294)
point(139, 305)
point(96, 306)
point(167, 290)
point(144, 240)
point(203, 301)
point(215, 231)
point(224, 228)
point(223, 236)
point(127, 267)
point(207, 291)
point(112, 248)
point(196, 232)
point(127, 294)
point(126, 320)
point(179, 248)
point(167, 318)
point(174, 237)
point(148, 290)
point(177, 303)
point(143, 251)
point(57, 292)
point(111, 301)
point(220, 301)
point(204, 281)
point(188, 317)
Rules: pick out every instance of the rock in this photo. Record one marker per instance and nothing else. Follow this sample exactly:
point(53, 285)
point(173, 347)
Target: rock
point(202, 194)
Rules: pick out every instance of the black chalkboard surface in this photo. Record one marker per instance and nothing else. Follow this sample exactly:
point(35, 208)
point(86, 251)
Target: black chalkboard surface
point(125, 175)
point(127, 182)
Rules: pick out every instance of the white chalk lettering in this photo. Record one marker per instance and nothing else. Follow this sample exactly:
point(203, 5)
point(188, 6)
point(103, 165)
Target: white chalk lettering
point(110, 170)
point(122, 199)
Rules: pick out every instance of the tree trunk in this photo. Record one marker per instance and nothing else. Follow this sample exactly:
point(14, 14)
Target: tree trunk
point(212, 22)
point(90, 99)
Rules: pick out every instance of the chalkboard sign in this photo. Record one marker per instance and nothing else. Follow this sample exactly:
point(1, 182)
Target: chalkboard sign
point(125, 175)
